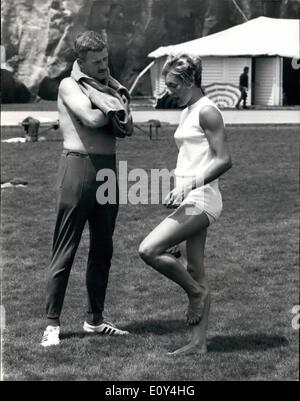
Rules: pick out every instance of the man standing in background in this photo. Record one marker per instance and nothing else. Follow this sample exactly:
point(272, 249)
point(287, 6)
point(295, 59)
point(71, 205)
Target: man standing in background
point(243, 84)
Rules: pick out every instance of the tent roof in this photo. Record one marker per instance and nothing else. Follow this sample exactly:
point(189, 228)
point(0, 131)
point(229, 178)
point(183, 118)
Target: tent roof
point(259, 36)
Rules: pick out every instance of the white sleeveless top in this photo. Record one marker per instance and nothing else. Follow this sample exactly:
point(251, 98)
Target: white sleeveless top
point(194, 152)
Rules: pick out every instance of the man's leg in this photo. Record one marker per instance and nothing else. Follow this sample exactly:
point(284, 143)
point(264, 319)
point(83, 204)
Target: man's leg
point(71, 217)
point(101, 224)
point(68, 231)
point(244, 98)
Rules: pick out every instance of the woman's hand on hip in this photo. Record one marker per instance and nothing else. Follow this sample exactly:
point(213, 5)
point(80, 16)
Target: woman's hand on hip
point(175, 197)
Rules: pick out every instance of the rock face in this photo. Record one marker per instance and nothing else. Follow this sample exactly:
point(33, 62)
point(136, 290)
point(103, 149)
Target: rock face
point(38, 34)
point(13, 90)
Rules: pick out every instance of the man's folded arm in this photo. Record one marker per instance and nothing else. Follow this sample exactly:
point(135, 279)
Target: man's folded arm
point(80, 105)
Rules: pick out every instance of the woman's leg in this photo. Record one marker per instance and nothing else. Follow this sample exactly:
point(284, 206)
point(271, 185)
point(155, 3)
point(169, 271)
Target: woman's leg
point(176, 228)
point(195, 266)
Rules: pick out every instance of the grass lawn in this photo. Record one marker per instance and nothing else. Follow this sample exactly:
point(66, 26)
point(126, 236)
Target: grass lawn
point(251, 262)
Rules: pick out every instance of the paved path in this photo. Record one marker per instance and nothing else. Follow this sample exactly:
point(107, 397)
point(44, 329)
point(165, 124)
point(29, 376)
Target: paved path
point(234, 117)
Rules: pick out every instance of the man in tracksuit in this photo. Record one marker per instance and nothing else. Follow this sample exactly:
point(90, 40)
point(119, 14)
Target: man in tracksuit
point(89, 146)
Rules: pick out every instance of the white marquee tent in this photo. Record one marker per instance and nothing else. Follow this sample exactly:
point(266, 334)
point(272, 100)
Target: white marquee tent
point(261, 44)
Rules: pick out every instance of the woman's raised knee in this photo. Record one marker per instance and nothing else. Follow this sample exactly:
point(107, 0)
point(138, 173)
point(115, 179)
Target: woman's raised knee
point(147, 252)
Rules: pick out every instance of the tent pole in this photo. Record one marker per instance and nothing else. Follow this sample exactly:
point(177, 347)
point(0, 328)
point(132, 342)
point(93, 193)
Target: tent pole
point(240, 11)
point(140, 76)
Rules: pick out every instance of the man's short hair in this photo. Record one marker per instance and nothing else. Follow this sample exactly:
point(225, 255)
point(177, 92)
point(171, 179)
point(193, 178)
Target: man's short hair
point(89, 41)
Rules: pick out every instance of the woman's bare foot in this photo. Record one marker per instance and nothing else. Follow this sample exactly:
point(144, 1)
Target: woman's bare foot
point(196, 308)
point(197, 344)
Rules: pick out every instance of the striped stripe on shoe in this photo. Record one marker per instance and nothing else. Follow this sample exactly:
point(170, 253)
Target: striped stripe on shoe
point(106, 328)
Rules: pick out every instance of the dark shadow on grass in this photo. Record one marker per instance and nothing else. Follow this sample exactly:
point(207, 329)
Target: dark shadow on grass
point(76, 334)
point(157, 326)
point(250, 342)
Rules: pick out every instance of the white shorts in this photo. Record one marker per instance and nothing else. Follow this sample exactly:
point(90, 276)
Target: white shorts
point(207, 199)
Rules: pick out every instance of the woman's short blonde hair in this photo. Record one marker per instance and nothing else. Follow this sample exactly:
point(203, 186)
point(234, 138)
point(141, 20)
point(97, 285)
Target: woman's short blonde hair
point(186, 67)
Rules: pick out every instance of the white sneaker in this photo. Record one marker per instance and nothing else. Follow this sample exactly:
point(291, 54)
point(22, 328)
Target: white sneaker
point(51, 336)
point(104, 328)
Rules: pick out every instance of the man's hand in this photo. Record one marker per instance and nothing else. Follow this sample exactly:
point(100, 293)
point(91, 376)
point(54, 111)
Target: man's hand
point(126, 102)
point(103, 101)
point(80, 105)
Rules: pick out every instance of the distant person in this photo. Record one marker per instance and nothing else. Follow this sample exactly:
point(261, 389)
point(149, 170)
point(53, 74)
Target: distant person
point(31, 127)
point(87, 104)
point(243, 85)
point(203, 157)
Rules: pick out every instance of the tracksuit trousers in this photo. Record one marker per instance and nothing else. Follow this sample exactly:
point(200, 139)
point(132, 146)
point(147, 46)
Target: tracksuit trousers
point(76, 205)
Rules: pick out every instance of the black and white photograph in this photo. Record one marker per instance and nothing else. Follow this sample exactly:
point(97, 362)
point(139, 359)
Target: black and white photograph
point(149, 193)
